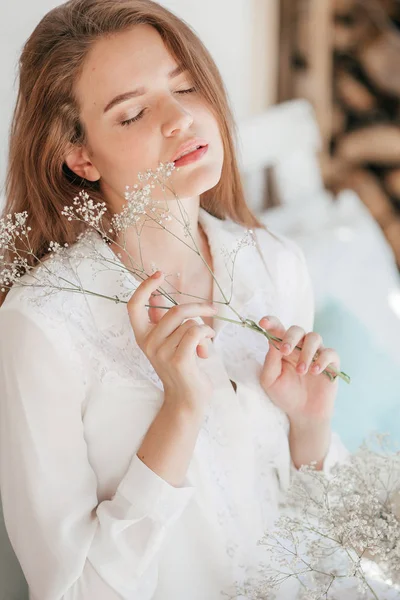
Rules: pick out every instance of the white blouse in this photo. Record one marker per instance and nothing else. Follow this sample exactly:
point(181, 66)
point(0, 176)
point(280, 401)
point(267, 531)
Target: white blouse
point(86, 517)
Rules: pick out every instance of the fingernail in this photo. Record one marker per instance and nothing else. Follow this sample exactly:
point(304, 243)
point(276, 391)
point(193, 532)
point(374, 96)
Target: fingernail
point(316, 368)
point(286, 347)
point(156, 275)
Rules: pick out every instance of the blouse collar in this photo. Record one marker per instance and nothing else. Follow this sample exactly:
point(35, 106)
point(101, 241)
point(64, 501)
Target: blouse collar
point(223, 237)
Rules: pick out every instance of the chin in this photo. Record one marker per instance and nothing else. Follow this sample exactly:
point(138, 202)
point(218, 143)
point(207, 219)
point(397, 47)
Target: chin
point(188, 183)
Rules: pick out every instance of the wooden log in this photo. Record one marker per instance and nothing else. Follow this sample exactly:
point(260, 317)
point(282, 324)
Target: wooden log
point(302, 32)
point(286, 49)
point(385, 7)
point(346, 37)
point(369, 188)
point(376, 144)
point(320, 62)
point(353, 93)
point(392, 233)
point(333, 170)
point(380, 59)
point(379, 12)
point(339, 120)
point(302, 84)
point(313, 42)
point(392, 182)
point(343, 7)
point(343, 39)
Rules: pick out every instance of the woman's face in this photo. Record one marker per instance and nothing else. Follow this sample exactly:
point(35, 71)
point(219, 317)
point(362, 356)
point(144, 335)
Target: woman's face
point(118, 147)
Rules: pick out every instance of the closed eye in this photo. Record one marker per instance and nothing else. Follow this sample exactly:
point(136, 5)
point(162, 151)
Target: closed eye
point(139, 116)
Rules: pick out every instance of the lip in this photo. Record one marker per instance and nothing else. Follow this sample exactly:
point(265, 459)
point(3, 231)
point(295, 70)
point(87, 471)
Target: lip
point(191, 157)
point(187, 145)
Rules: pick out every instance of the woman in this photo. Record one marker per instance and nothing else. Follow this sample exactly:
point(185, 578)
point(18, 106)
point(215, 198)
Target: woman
point(140, 460)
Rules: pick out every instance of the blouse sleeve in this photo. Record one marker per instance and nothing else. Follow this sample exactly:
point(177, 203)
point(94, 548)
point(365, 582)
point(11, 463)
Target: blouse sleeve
point(68, 544)
point(303, 315)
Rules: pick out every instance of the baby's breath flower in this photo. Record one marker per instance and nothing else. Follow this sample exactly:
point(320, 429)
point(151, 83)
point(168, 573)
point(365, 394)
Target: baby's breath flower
point(163, 171)
point(349, 513)
point(12, 226)
point(139, 209)
point(336, 525)
point(84, 209)
point(14, 237)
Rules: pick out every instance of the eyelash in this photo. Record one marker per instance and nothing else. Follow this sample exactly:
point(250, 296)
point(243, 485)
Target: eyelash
point(139, 116)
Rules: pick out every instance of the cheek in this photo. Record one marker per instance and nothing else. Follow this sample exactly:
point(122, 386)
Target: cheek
point(136, 146)
point(127, 154)
point(216, 137)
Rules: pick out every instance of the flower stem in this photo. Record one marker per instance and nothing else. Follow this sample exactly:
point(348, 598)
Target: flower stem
point(250, 324)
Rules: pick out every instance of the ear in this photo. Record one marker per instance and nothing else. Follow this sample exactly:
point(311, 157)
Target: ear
point(77, 160)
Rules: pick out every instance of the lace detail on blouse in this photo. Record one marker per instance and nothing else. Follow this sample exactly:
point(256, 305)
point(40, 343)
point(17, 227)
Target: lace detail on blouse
point(233, 440)
point(108, 350)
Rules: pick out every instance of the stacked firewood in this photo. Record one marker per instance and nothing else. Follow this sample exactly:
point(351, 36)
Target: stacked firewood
point(352, 77)
point(365, 141)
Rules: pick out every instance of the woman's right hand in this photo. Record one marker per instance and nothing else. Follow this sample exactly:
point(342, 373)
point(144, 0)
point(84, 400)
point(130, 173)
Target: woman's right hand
point(171, 346)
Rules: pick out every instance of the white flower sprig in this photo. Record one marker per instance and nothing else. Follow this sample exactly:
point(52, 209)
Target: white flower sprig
point(338, 527)
point(11, 228)
point(139, 210)
point(88, 211)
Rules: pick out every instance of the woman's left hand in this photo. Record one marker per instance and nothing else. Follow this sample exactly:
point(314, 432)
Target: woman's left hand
point(304, 394)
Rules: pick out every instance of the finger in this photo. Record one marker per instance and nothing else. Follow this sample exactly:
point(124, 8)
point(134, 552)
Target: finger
point(274, 327)
point(157, 299)
point(174, 318)
point(190, 340)
point(290, 337)
point(172, 342)
point(293, 336)
point(311, 344)
point(137, 311)
point(272, 323)
point(327, 357)
point(202, 349)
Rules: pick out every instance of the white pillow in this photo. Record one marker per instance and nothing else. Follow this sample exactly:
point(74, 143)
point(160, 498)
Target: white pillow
point(348, 257)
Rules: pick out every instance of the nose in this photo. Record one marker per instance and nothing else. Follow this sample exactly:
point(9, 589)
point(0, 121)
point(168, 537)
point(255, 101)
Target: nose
point(176, 119)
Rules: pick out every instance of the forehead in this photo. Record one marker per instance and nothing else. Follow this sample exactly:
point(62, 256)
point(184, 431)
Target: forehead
point(119, 62)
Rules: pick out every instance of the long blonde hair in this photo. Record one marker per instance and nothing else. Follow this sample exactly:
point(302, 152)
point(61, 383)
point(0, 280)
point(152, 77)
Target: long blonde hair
point(46, 116)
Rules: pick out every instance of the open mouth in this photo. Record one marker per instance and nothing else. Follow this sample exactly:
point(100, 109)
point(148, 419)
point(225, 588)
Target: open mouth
point(191, 156)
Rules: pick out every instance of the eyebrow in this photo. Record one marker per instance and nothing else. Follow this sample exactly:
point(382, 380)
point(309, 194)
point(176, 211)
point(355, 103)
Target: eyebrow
point(140, 91)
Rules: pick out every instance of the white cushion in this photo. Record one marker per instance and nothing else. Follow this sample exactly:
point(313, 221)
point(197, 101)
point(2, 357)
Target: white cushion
point(348, 257)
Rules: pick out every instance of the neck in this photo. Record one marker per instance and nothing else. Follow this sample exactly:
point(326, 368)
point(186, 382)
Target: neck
point(165, 247)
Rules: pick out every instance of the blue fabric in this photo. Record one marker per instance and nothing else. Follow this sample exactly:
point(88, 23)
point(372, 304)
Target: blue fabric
point(371, 402)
